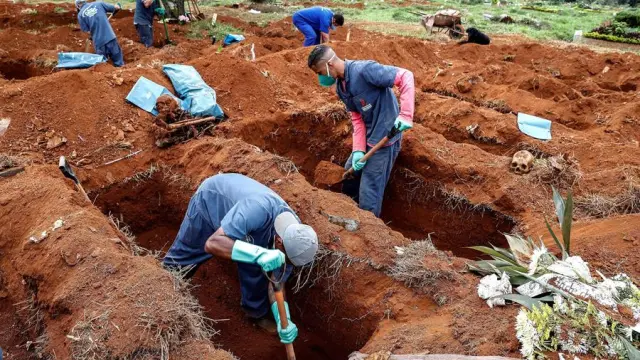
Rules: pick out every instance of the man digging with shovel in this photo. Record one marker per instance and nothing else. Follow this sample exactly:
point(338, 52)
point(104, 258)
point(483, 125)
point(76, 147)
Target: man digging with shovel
point(143, 19)
point(365, 87)
point(232, 216)
point(93, 20)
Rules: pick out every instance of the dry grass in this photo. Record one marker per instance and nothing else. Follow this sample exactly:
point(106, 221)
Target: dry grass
point(327, 266)
point(88, 337)
point(600, 206)
point(285, 165)
point(176, 318)
point(125, 230)
point(8, 161)
point(560, 171)
point(412, 267)
point(169, 176)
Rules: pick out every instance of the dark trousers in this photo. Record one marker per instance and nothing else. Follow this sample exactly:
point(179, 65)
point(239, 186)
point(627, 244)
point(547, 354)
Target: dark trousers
point(145, 33)
point(112, 51)
point(367, 186)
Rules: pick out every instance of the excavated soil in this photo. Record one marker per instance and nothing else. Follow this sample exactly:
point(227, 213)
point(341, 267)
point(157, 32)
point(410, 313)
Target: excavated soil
point(451, 183)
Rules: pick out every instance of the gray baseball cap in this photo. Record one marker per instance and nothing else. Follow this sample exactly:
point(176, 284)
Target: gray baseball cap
point(300, 240)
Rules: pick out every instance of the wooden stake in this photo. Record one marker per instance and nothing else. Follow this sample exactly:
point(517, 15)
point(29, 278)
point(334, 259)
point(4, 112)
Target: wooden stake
point(184, 123)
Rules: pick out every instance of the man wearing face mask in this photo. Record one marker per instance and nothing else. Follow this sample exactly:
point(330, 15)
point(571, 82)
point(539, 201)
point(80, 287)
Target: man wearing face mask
point(366, 88)
point(232, 216)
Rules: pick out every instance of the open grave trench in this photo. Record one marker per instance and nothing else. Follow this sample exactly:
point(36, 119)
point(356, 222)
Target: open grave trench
point(151, 205)
point(416, 205)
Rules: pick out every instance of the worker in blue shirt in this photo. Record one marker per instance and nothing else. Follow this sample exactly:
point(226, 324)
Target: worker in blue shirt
point(143, 19)
point(93, 20)
point(314, 23)
point(366, 88)
point(232, 216)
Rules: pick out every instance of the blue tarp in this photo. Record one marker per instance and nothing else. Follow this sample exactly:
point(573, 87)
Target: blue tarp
point(232, 38)
point(145, 93)
point(78, 60)
point(533, 126)
point(197, 97)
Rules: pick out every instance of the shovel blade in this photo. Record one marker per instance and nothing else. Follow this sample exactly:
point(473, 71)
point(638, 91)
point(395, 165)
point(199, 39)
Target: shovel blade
point(328, 174)
point(66, 169)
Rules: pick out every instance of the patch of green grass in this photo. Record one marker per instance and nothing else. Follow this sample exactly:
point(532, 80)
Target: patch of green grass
point(200, 29)
point(60, 10)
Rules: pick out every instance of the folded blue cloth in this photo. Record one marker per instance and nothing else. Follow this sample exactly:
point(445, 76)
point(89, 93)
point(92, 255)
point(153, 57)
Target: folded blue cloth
point(533, 126)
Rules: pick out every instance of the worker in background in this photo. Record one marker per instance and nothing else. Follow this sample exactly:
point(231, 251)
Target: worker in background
point(232, 216)
point(93, 20)
point(314, 23)
point(474, 36)
point(143, 19)
point(366, 88)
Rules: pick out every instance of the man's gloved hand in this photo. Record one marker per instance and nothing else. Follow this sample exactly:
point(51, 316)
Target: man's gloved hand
point(355, 160)
point(160, 11)
point(402, 125)
point(288, 335)
point(269, 260)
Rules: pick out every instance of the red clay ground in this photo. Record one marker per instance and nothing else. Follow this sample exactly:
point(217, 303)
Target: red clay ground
point(448, 182)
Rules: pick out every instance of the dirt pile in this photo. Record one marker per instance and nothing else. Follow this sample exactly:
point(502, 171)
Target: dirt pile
point(80, 289)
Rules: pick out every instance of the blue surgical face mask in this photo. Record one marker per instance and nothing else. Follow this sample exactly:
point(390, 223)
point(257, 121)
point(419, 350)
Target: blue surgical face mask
point(327, 80)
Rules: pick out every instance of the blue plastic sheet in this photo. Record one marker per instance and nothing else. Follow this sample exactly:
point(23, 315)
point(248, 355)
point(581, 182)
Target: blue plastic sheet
point(232, 38)
point(533, 126)
point(197, 97)
point(78, 60)
point(145, 93)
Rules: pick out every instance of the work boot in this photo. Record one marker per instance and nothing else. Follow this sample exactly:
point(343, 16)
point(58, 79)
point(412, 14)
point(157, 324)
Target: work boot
point(266, 323)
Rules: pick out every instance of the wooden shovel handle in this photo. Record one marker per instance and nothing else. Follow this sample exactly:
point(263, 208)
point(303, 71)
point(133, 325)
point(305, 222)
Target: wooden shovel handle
point(284, 323)
point(366, 156)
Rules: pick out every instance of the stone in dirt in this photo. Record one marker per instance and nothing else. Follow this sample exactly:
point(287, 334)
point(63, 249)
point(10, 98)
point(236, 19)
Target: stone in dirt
point(56, 141)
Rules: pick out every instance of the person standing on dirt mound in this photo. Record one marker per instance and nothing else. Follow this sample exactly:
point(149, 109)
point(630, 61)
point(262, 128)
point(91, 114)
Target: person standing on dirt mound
point(143, 19)
point(93, 19)
point(314, 24)
point(232, 216)
point(366, 88)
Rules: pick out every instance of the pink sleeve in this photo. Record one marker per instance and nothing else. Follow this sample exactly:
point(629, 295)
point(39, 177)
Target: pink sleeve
point(404, 82)
point(359, 132)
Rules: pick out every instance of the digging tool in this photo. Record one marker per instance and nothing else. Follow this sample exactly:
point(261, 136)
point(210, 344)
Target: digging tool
point(167, 41)
point(394, 131)
point(284, 323)
point(67, 171)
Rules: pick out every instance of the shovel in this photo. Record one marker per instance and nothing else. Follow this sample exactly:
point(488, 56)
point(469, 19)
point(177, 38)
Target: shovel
point(167, 41)
point(67, 171)
point(277, 290)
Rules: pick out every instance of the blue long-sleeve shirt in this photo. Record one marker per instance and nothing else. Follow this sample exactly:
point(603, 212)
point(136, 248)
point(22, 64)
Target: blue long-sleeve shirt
point(93, 19)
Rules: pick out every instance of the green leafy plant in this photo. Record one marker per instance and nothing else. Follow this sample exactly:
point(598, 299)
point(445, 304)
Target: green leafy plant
point(564, 308)
point(630, 17)
point(542, 9)
point(593, 35)
point(523, 255)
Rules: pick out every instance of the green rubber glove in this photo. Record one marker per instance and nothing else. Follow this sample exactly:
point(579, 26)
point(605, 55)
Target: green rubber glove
point(291, 332)
point(160, 11)
point(269, 260)
point(355, 160)
point(402, 125)
point(118, 7)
